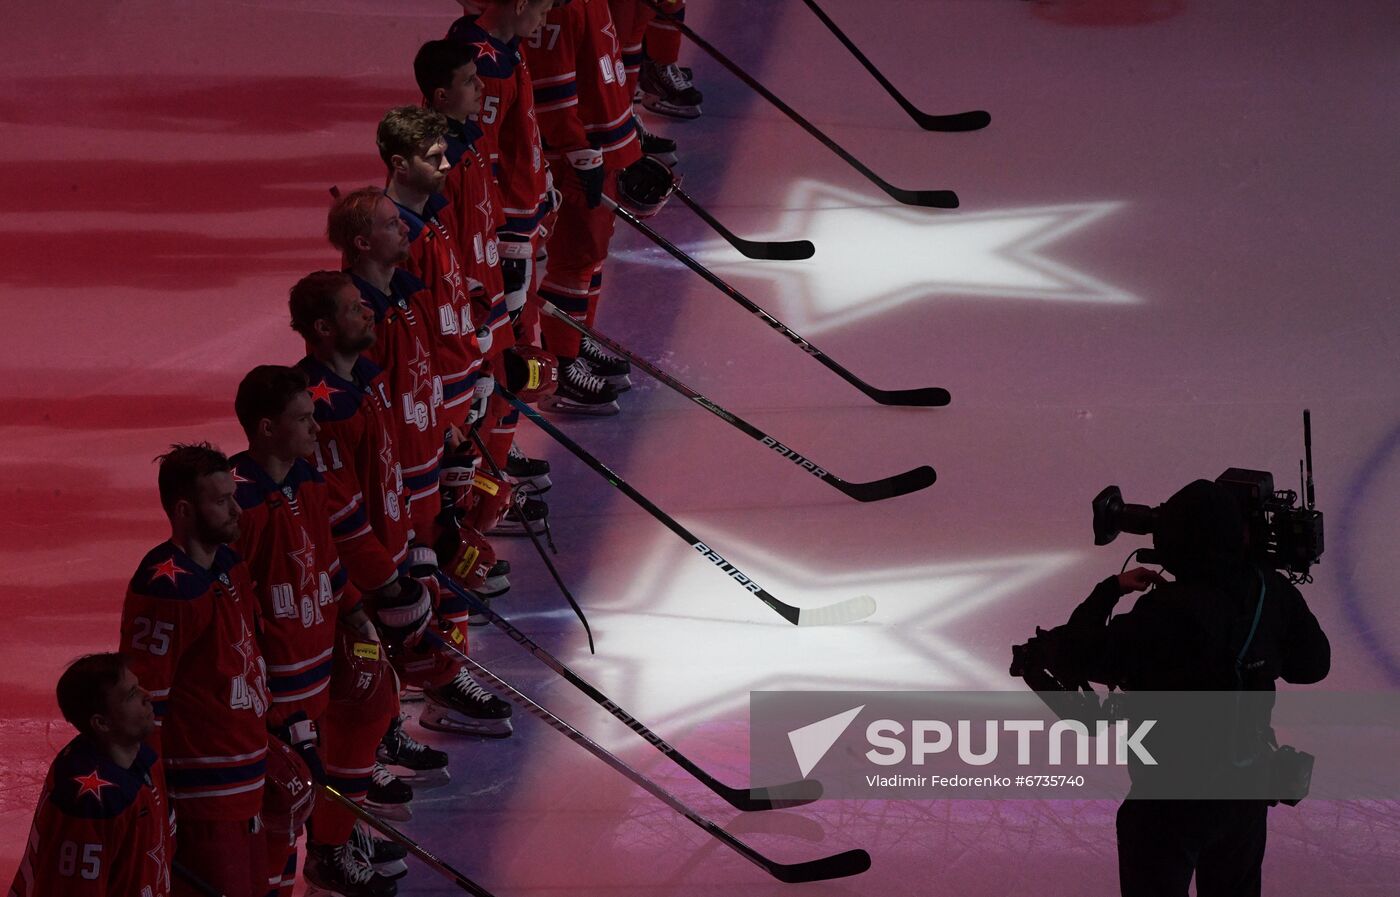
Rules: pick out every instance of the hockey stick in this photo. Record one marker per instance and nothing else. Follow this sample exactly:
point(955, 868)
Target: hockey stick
point(876, 490)
point(848, 611)
point(439, 866)
point(939, 199)
point(850, 862)
point(553, 571)
point(960, 121)
point(793, 794)
point(780, 251)
point(931, 395)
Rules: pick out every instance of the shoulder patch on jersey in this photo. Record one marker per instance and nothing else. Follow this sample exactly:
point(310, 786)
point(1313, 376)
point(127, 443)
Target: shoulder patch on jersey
point(250, 481)
point(88, 784)
point(334, 399)
point(167, 572)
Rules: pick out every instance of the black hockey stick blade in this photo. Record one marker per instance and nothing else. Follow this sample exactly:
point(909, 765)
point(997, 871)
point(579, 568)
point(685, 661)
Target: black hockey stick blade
point(961, 121)
point(778, 797)
point(778, 251)
point(876, 490)
point(922, 397)
point(889, 487)
point(925, 396)
point(938, 199)
point(974, 120)
point(931, 199)
point(793, 794)
point(842, 865)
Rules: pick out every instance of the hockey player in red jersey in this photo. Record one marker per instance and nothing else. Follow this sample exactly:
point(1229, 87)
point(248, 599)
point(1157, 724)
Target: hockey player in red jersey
point(356, 448)
point(507, 120)
point(104, 826)
point(410, 141)
point(188, 630)
point(585, 116)
point(446, 75)
point(285, 539)
point(373, 239)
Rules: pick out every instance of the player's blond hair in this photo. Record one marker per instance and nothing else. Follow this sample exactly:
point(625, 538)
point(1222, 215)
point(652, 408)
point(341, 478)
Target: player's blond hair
point(351, 216)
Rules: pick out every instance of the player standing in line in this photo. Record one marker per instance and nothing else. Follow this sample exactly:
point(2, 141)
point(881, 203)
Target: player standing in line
point(187, 629)
point(412, 145)
point(513, 145)
point(285, 539)
point(652, 70)
point(356, 449)
point(103, 827)
point(447, 77)
point(585, 117)
point(372, 237)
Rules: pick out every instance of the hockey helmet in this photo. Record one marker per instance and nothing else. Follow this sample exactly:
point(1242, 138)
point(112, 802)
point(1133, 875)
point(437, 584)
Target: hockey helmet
point(644, 186)
point(356, 668)
point(531, 373)
point(288, 794)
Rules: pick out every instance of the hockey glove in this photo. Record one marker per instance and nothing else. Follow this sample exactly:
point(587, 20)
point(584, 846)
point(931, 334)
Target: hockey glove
point(588, 166)
point(457, 472)
point(422, 561)
point(404, 615)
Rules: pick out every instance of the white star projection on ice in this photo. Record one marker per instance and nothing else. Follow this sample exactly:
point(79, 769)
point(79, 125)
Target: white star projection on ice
point(720, 644)
point(872, 259)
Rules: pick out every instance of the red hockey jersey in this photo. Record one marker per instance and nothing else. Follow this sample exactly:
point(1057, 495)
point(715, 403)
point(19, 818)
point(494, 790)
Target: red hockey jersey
point(355, 452)
point(581, 95)
point(99, 830)
point(511, 136)
point(188, 634)
point(285, 539)
point(446, 304)
point(474, 210)
point(403, 349)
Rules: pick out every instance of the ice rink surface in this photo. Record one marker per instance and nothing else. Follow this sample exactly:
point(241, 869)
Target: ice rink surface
point(1178, 232)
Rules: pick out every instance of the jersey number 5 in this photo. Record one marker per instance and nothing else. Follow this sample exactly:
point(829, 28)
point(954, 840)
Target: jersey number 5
point(489, 108)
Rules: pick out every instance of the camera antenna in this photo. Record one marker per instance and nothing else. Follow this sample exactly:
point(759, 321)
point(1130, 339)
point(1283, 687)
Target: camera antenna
point(1307, 453)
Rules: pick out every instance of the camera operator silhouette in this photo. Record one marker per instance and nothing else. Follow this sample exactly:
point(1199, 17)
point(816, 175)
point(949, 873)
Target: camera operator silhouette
point(1228, 624)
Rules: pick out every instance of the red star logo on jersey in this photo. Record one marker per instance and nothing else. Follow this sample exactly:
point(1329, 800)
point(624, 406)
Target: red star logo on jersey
point(92, 783)
point(484, 207)
point(240, 478)
point(169, 569)
point(485, 50)
point(305, 559)
point(611, 32)
point(322, 392)
point(421, 369)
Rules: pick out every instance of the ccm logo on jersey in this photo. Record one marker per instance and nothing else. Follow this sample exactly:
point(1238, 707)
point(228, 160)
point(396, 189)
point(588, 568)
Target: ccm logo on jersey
point(797, 459)
point(713, 557)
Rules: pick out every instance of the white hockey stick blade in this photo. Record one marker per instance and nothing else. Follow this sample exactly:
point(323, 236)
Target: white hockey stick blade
point(848, 611)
